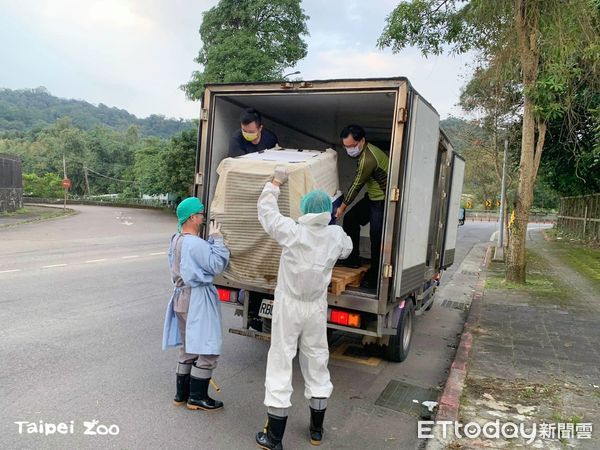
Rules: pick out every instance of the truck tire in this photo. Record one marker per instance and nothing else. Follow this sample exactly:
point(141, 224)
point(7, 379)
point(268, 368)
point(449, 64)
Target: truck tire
point(399, 345)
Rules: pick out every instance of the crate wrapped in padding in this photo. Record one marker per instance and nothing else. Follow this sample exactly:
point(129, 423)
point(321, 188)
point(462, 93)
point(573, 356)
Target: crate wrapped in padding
point(254, 255)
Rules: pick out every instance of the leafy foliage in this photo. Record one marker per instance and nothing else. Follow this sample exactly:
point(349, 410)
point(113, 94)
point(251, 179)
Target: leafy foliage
point(45, 186)
point(248, 40)
point(177, 163)
point(544, 48)
point(114, 161)
point(572, 148)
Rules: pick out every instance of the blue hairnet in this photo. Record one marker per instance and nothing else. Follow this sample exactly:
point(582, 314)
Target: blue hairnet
point(316, 202)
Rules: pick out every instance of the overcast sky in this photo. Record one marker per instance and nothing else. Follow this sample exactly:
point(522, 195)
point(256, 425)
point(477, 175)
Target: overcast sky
point(134, 54)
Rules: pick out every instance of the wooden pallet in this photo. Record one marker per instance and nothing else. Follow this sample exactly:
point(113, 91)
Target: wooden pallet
point(342, 277)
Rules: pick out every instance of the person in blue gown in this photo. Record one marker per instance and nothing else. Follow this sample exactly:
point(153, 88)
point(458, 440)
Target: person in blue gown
point(193, 317)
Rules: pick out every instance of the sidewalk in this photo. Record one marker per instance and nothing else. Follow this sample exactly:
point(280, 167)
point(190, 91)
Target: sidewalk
point(32, 213)
point(535, 357)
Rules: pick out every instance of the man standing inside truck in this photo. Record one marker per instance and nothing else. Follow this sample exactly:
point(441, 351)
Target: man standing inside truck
point(252, 136)
point(193, 317)
point(372, 170)
point(310, 248)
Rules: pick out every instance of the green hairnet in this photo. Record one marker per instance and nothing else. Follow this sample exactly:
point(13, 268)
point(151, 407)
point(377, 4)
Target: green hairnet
point(189, 206)
point(316, 202)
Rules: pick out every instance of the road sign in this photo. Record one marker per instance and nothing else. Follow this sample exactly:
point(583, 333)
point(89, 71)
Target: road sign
point(497, 202)
point(488, 203)
point(66, 183)
point(469, 204)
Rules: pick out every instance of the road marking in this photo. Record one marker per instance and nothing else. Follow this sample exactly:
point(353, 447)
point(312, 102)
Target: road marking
point(95, 260)
point(158, 253)
point(10, 271)
point(53, 265)
point(130, 257)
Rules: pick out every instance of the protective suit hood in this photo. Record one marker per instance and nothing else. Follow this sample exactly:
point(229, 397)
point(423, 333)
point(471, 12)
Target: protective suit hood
point(321, 219)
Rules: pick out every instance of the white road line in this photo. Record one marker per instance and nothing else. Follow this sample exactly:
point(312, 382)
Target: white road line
point(158, 253)
point(10, 271)
point(53, 265)
point(130, 257)
point(96, 260)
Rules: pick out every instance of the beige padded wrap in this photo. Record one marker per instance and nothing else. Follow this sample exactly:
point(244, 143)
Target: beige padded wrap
point(254, 255)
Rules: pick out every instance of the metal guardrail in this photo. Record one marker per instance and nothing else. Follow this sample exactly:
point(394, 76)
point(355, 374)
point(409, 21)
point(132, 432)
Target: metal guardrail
point(482, 216)
point(113, 203)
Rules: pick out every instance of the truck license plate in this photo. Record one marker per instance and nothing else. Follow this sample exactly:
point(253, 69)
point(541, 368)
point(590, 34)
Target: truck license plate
point(266, 309)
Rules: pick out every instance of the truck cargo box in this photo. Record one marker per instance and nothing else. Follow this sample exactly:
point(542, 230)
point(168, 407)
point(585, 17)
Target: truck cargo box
point(422, 197)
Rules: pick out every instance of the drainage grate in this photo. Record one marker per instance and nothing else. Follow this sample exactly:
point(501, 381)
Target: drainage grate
point(453, 305)
point(399, 396)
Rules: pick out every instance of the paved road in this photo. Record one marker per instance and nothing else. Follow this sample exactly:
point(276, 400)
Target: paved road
point(82, 302)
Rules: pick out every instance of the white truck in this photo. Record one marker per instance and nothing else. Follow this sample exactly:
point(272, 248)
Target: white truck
point(422, 202)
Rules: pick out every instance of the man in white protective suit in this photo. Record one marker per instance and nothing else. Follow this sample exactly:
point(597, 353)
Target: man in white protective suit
point(310, 249)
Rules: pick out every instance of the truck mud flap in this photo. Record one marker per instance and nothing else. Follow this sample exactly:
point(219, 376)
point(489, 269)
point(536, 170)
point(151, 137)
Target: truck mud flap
point(251, 333)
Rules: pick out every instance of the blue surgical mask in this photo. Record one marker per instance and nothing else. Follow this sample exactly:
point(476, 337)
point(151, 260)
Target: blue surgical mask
point(353, 152)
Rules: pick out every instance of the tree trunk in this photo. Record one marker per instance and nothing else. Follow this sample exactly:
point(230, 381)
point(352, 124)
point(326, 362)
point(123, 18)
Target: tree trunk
point(515, 258)
point(526, 22)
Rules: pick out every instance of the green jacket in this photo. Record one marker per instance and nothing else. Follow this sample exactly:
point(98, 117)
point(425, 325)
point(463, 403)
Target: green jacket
point(373, 171)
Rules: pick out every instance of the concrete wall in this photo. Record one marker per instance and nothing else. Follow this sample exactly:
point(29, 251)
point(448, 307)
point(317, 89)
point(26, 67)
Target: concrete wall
point(11, 199)
point(11, 183)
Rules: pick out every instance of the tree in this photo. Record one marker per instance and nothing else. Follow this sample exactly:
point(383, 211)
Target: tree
point(147, 166)
point(544, 46)
point(571, 164)
point(46, 186)
point(248, 40)
point(177, 164)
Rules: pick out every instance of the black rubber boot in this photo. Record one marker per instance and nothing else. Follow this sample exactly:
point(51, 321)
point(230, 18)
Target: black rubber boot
point(199, 398)
point(316, 425)
point(183, 389)
point(183, 383)
point(270, 438)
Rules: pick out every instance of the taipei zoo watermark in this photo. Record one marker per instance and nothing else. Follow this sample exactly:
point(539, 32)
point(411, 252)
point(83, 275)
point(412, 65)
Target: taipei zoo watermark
point(87, 428)
point(506, 430)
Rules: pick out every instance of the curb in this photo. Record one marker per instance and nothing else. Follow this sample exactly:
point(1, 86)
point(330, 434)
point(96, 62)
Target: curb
point(449, 402)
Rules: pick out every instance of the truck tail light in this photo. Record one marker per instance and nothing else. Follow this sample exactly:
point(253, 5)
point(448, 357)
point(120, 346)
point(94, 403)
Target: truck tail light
point(343, 318)
point(227, 295)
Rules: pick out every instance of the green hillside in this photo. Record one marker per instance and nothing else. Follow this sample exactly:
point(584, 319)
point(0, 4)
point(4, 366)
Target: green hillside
point(27, 109)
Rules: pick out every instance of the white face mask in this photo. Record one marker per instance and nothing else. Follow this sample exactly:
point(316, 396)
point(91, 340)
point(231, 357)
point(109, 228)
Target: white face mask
point(353, 152)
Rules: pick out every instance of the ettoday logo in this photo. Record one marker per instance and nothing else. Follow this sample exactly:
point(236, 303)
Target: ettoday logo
point(506, 430)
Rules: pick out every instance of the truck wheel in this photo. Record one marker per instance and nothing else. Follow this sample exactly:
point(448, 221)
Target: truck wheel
point(399, 345)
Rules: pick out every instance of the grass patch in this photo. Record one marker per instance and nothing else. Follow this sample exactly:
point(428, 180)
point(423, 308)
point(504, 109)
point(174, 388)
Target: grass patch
point(551, 233)
point(32, 214)
point(540, 282)
point(585, 260)
point(18, 212)
point(515, 392)
point(559, 418)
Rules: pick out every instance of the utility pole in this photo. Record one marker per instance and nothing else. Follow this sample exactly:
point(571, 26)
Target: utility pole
point(87, 183)
point(500, 247)
point(65, 177)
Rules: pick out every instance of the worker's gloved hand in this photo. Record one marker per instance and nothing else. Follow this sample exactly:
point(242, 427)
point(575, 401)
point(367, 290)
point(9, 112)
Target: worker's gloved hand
point(214, 230)
point(280, 175)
